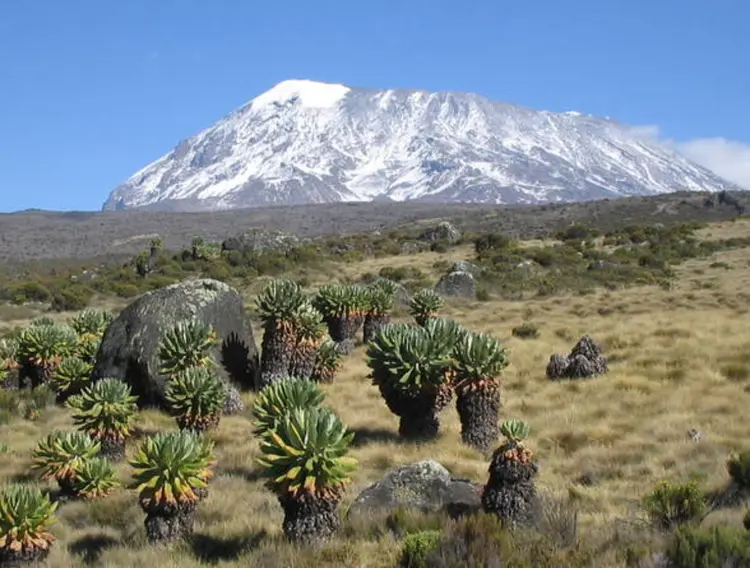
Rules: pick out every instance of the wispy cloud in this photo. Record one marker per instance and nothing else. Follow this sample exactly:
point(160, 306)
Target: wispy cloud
point(729, 159)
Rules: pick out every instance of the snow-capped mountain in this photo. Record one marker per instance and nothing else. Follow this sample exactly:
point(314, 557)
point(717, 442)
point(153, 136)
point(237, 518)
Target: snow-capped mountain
point(310, 142)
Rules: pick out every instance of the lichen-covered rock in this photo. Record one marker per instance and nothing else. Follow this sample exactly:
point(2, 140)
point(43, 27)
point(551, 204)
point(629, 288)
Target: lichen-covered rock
point(585, 361)
point(233, 402)
point(579, 367)
point(425, 486)
point(129, 347)
point(557, 367)
point(586, 347)
point(257, 240)
point(457, 284)
point(466, 266)
point(444, 231)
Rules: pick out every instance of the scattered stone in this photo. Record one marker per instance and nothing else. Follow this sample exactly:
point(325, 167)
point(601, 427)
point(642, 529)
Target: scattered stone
point(601, 265)
point(130, 344)
point(695, 435)
point(444, 231)
point(411, 247)
point(426, 486)
point(257, 240)
point(458, 284)
point(585, 361)
point(233, 402)
point(587, 479)
point(466, 266)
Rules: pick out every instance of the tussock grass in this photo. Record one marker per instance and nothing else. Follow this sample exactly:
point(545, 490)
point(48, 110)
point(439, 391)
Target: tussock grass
point(678, 360)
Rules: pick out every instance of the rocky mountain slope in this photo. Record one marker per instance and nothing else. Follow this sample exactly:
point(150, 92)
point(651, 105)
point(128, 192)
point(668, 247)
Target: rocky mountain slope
point(306, 142)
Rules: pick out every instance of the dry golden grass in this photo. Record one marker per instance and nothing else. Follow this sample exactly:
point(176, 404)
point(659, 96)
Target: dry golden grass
point(679, 359)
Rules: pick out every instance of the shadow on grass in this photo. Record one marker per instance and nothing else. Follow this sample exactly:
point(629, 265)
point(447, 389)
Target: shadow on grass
point(140, 433)
point(90, 547)
point(213, 549)
point(727, 497)
point(24, 477)
point(251, 475)
point(365, 435)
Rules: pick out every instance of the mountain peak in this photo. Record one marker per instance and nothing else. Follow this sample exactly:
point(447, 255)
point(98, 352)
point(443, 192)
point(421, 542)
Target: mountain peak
point(309, 94)
point(298, 143)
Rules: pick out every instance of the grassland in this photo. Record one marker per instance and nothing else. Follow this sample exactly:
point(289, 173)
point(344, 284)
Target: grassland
point(679, 359)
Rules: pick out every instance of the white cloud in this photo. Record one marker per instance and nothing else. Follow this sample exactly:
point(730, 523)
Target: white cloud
point(730, 159)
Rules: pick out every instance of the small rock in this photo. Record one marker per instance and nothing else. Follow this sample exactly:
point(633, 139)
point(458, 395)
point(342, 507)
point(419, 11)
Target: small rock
point(585, 361)
point(444, 231)
point(466, 266)
point(695, 435)
point(258, 240)
point(458, 284)
point(426, 486)
point(587, 479)
point(410, 247)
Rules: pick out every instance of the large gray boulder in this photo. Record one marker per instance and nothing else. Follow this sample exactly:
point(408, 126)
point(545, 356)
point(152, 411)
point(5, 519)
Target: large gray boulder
point(425, 486)
point(444, 231)
point(458, 284)
point(258, 240)
point(129, 347)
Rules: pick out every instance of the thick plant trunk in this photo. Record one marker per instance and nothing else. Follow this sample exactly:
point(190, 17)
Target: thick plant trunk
point(303, 361)
point(276, 354)
point(168, 523)
point(421, 426)
point(67, 491)
point(323, 374)
point(372, 324)
point(22, 558)
point(343, 328)
point(479, 410)
point(112, 449)
point(514, 503)
point(198, 426)
point(510, 492)
point(418, 414)
point(310, 520)
point(36, 375)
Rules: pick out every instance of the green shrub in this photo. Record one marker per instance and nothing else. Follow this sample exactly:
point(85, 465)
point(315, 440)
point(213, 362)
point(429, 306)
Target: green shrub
point(492, 242)
point(746, 520)
point(440, 246)
point(577, 232)
point(403, 521)
point(700, 547)
point(738, 467)
point(218, 272)
point(416, 548)
point(30, 291)
point(125, 289)
point(481, 540)
point(526, 330)
point(670, 505)
point(71, 298)
point(482, 295)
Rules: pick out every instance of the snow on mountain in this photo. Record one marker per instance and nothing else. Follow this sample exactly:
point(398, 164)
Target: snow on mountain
point(311, 142)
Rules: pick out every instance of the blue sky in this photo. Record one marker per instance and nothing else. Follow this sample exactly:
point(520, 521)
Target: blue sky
point(91, 91)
